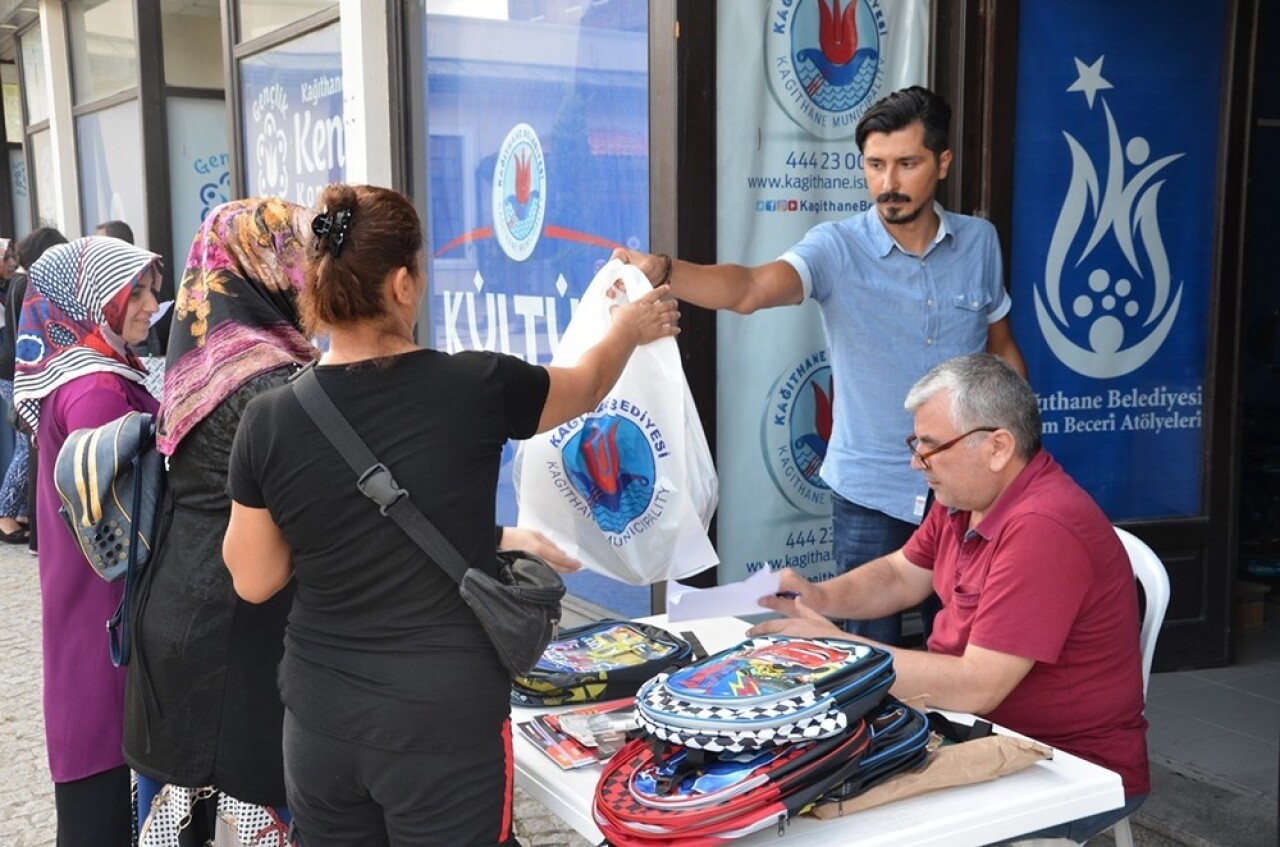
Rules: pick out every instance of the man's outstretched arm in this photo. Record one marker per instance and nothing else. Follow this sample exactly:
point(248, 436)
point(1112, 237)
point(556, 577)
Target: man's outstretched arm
point(738, 288)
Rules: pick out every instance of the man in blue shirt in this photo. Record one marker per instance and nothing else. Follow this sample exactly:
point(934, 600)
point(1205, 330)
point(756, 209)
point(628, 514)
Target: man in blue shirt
point(901, 287)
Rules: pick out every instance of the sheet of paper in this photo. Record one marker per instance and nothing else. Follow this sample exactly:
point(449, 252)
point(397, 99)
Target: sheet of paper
point(737, 598)
point(161, 312)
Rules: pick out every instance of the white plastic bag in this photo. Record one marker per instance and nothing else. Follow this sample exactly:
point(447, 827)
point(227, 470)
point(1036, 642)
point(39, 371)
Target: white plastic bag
point(630, 487)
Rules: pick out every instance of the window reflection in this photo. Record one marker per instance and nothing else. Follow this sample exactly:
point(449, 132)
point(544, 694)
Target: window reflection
point(112, 184)
point(104, 48)
point(260, 17)
point(42, 161)
point(34, 85)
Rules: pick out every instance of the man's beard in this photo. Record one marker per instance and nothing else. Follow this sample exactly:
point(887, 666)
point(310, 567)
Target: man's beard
point(897, 218)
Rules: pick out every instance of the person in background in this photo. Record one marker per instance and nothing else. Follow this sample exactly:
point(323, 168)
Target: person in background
point(901, 287)
point(397, 718)
point(13, 493)
point(115, 229)
point(86, 302)
point(22, 471)
point(1038, 629)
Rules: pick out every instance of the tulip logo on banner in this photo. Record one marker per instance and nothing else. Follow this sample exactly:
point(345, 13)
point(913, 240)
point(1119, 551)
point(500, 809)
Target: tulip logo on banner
point(1107, 302)
point(797, 430)
point(823, 61)
point(519, 192)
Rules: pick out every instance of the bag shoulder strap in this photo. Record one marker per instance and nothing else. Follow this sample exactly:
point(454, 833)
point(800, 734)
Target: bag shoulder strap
point(373, 478)
point(958, 732)
point(118, 625)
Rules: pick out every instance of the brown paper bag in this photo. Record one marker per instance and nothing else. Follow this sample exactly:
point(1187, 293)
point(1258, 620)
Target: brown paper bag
point(980, 760)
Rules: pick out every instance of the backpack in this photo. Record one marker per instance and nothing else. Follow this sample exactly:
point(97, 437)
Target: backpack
point(604, 660)
point(750, 737)
point(899, 738)
point(110, 480)
point(749, 796)
point(766, 691)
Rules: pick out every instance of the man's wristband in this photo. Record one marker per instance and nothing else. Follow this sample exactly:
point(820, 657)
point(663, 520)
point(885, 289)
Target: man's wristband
point(666, 271)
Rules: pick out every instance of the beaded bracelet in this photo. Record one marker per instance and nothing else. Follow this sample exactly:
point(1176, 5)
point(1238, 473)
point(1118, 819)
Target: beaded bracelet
point(666, 270)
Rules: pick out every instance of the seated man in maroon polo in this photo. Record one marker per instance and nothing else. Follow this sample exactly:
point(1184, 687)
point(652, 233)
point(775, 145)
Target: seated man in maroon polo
point(1039, 624)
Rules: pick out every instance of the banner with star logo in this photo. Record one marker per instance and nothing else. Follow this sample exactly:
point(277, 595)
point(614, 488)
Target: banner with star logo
point(1115, 165)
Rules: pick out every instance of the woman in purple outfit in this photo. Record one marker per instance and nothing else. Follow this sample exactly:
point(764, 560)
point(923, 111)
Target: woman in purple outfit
point(85, 303)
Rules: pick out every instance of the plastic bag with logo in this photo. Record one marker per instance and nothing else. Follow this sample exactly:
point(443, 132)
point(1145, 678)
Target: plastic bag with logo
point(629, 487)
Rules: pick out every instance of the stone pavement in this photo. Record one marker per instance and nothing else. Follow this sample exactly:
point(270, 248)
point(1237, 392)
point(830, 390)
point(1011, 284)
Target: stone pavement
point(26, 794)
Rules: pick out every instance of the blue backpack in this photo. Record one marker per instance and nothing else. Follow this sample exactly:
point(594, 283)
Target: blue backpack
point(605, 660)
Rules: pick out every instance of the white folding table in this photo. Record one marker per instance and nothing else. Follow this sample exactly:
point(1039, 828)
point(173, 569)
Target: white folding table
point(1046, 793)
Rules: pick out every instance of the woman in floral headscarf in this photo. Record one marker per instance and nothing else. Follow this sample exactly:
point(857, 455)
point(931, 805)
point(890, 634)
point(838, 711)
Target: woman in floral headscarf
point(86, 301)
point(202, 711)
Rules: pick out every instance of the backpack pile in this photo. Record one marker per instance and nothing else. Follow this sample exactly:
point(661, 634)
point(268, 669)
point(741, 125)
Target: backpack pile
point(604, 660)
point(750, 737)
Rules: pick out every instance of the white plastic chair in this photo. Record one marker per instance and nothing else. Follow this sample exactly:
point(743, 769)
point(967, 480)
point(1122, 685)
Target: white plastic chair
point(1150, 572)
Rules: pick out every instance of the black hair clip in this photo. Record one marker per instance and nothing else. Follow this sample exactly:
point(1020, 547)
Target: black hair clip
point(332, 229)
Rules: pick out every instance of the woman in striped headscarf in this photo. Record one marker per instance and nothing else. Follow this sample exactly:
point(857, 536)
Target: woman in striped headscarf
point(86, 302)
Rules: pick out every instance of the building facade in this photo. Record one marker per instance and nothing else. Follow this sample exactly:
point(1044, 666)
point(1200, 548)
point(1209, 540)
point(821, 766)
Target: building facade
point(537, 135)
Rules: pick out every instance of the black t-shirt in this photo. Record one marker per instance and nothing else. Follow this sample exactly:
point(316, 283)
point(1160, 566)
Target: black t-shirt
point(380, 647)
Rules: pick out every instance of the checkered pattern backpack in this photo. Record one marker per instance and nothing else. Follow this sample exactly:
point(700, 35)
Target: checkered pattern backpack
point(605, 660)
point(766, 691)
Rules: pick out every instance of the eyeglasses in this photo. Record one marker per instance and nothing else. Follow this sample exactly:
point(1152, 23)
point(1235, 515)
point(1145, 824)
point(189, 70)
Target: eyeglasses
point(923, 458)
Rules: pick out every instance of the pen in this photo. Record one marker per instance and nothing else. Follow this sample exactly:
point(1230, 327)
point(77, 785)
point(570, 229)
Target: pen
point(787, 595)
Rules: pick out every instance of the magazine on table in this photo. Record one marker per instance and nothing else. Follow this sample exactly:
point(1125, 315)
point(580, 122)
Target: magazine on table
point(602, 737)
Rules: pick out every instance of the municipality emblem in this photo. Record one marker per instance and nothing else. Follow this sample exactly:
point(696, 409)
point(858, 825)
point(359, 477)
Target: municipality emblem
point(1108, 301)
point(796, 431)
point(519, 192)
point(611, 465)
point(823, 61)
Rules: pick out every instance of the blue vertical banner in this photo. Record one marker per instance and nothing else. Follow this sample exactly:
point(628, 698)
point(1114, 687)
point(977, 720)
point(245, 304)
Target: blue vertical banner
point(291, 95)
point(538, 167)
point(1115, 162)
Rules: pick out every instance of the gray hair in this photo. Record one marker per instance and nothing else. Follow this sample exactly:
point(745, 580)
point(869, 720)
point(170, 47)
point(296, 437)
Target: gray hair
point(985, 391)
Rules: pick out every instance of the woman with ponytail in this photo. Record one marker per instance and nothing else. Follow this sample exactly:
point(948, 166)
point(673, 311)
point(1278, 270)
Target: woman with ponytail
point(397, 723)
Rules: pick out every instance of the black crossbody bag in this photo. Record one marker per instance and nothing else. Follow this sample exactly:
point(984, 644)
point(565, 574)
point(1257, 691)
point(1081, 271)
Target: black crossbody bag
point(519, 610)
